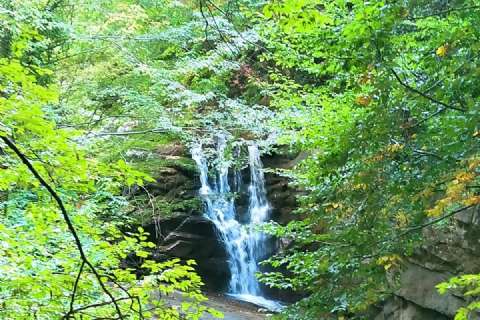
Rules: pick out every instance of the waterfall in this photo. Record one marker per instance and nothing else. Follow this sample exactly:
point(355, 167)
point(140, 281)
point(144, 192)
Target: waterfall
point(244, 245)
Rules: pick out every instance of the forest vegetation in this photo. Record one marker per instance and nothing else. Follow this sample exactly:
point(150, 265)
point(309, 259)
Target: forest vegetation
point(382, 99)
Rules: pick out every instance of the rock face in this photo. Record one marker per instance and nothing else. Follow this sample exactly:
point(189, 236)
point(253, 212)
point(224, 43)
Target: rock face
point(281, 194)
point(401, 309)
point(193, 237)
point(444, 254)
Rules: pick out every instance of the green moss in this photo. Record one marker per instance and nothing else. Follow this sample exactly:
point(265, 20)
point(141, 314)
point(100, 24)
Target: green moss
point(163, 207)
point(155, 164)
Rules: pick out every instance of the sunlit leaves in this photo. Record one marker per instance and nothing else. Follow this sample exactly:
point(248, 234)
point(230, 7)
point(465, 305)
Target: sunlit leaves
point(458, 191)
point(470, 285)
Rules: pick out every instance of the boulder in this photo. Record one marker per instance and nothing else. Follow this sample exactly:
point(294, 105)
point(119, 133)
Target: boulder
point(171, 149)
point(417, 284)
point(170, 182)
point(401, 309)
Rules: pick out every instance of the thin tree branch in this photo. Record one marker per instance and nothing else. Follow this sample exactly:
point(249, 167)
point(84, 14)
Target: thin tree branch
point(432, 222)
point(416, 124)
point(132, 297)
point(426, 153)
point(236, 29)
point(205, 20)
point(66, 218)
point(99, 304)
point(439, 13)
point(221, 34)
point(420, 93)
point(74, 291)
point(128, 133)
point(159, 130)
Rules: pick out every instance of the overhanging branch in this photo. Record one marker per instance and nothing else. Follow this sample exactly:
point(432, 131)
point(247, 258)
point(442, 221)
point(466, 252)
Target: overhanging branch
point(67, 220)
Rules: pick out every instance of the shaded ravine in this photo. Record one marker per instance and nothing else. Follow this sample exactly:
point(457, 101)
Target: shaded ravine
point(244, 245)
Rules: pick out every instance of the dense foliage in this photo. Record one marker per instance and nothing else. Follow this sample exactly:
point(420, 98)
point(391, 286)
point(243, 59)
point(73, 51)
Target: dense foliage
point(381, 98)
point(384, 98)
point(58, 257)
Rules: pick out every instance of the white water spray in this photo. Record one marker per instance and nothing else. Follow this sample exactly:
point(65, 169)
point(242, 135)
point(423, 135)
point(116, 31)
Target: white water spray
point(243, 243)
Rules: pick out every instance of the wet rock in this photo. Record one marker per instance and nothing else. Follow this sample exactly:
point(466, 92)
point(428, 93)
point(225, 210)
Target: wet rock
point(193, 237)
point(281, 195)
point(170, 181)
point(284, 159)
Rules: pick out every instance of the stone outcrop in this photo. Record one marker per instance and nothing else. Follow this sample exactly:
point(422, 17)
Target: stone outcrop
point(281, 194)
point(400, 309)
point(193, 237)
point(444, 254)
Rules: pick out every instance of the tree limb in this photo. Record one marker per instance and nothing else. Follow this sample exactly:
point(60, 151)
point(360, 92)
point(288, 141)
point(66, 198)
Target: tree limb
point(434, 221)
point(99, 304)
point(420, 93)
point(416, 124)
point(426, 153)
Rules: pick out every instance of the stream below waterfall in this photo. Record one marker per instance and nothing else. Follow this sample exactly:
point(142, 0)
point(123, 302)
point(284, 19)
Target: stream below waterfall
point(244, 244)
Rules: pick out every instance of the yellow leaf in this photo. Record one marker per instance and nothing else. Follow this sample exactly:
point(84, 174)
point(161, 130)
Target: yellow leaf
point(472, 201)
point(363, 100)
point(465, 177)
point(434, 212)
point(389, 262)
point(473, 164)
point(442, 50)
point(402, 219)
point(392, 148)
point(360, 186)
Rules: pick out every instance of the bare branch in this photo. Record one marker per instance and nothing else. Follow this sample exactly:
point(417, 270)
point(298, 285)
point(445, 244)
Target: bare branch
point(74, 291)
point(428, 117)
point(99, 304)
point(426, 153)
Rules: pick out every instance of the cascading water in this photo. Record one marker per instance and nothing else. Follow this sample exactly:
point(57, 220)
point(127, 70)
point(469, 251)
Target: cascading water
point(243, 243)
